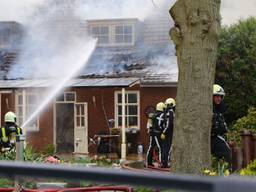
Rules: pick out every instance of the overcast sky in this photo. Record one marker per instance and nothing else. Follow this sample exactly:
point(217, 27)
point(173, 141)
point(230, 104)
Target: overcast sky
point(231, 10)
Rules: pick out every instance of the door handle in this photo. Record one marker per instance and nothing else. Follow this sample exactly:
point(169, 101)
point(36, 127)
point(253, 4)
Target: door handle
point(78, 140)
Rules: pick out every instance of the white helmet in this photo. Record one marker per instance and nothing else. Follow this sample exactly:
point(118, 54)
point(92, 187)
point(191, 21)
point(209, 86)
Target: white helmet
point(160, 107)
point(10, 117)
point(170, 102)
point(218, 90)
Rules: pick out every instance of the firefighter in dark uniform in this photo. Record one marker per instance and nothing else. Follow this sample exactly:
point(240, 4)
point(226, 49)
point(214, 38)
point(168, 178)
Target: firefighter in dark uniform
point(9, 131)
point(166, 136)
point(156, 125)
point(219, 146)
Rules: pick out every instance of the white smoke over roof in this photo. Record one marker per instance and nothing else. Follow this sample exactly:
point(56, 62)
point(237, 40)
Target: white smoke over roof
point(57, 29)
point(20, 10)
point(53, 37)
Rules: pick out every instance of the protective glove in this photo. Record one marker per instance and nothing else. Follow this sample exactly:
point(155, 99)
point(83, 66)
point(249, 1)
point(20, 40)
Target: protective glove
point(163, 136)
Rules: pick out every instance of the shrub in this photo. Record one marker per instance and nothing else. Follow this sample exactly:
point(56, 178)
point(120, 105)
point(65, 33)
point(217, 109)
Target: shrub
point(8, 155)
point(219, 168)
point(6, 183)
point(247, 122)
point(30, 155)
point(49, 149)
point(250, 170)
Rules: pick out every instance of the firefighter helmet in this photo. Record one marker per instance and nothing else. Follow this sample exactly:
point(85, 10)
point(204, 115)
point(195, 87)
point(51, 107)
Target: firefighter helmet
point(218, 90)
point(10, 117)
point(160, 106)
point(170, 102)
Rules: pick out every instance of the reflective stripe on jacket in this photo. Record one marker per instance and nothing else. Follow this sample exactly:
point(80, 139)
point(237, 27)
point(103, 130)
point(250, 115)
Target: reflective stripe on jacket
point(4, 137)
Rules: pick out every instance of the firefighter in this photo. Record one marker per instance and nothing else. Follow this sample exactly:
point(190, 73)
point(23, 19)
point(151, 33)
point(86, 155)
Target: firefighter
point(219, 146)
point(9, 131)
point(156, 124)
point(166, 136)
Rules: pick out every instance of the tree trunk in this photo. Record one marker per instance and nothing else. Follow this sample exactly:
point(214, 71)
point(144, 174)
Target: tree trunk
point(195, 34)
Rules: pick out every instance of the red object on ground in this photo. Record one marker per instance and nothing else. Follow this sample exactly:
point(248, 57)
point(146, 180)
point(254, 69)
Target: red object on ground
point(51, 159)
point(6, 189)
point(89, 189)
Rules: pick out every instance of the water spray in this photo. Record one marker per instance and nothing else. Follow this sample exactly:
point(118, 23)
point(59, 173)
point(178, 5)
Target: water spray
point(60, 83)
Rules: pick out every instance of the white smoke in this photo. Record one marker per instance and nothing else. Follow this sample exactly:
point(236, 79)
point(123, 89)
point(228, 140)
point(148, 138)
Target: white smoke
point(52, 37)
point(57, 29)
point(102, 9)
point(17, 10)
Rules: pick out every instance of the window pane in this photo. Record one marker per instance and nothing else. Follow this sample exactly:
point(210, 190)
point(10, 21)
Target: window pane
point(70, 96)
point(20, 100)
point(119, 121)
point(82, 121)
point(119, 110)
point(78, 121)
point(132, 98)
point(103, 39)
point(132, 110)
point(82, 109)
point(119, 39)
point(119, 30)
point(31, 110)
point(20, 111)
point(127, 38)
point(95, 30)
point(20, 120)
point(77, 110)
point(133, 121)
point(127, 29)
point(119, 96)
point(32, 99)
point(104, 30)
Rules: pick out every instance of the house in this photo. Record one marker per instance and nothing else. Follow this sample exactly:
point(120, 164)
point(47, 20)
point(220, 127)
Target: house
point(133, 59)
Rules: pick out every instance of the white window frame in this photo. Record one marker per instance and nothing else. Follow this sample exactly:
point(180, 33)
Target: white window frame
point(98, 36)
point(22, 117)
point(124, 34)
point(64, 94)
point(112, 34)
point(127, 104)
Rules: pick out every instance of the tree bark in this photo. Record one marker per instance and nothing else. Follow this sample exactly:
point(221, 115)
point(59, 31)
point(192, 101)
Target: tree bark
point(195, 34)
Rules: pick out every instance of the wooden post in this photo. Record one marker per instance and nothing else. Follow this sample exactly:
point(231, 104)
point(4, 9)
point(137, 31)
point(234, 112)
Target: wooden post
point(123, 145)
point(246, 145)
point(19, 157)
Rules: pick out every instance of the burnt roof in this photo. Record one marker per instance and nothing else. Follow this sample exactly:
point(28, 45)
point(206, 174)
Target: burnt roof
point(153, 63)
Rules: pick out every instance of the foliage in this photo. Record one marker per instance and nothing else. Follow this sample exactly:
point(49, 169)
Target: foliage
point(8, 155)
point(235, 69)
point(143, 189)
point(250, 170)
point(49, 149)
point(247, 122)
point(6, 183)
point(30, 155)
point(219, 168)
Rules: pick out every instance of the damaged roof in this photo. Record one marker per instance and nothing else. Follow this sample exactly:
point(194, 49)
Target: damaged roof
point(154, 64)
point(90, 82)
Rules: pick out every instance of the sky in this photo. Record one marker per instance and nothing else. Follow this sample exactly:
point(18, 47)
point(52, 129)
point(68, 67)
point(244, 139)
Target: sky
point(20, 10)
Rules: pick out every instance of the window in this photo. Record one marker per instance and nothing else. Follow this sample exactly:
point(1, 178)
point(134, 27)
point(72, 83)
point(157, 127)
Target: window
point(131, 109)
point(114, 33)
point(25, 108)
point(68, 97)
point(101, 33)
point(123, 34)
point(80, 115)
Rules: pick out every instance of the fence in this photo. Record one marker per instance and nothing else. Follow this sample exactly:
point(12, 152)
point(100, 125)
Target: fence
point(244, 154)
point(117, 176)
